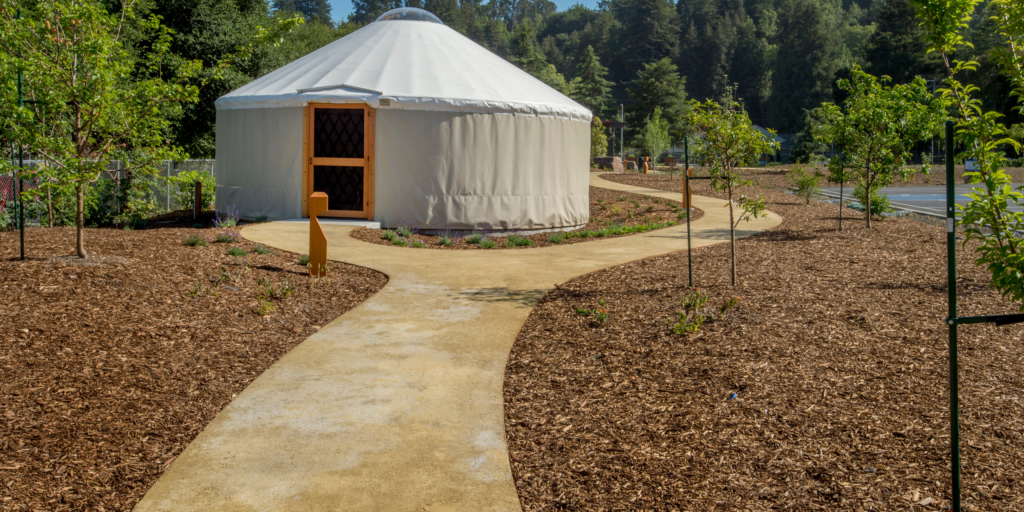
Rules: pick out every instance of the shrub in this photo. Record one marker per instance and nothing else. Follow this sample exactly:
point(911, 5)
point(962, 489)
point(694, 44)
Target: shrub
point(183, 189)
point(195, 240)
point(879, 202)
point(400, 242)
point(518, 241)
point(259, 249)
point(487, 243)
point(261, 219)
point(474, 238)
point(390, 235)
point(416, 243)
point(599, 314)
point(682, 215)
point(6, 216)
point(264, 307)
point(405, 232)
point(556, 238)
point(236, 252)
point(304, 259)
point(804, 183)
point(694, 314)
point(445, 240)
point(229, 219)
point(228, 237)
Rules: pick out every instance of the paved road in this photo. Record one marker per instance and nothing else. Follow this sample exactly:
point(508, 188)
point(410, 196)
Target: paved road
point(929, 200)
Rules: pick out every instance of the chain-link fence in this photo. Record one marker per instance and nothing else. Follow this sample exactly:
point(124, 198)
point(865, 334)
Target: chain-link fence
point(161, 187)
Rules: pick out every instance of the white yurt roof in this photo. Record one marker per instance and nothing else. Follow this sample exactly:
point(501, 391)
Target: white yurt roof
point(416, 65)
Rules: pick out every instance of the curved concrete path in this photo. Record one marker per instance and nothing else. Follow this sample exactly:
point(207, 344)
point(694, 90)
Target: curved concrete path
point(397, 404)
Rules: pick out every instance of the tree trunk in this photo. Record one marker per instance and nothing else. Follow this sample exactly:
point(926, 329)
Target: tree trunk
point(867, 203)
point(49, 207)
point(80, 241)
point(732, 238)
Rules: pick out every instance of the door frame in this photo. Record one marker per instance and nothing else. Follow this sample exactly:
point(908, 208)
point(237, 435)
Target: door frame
point(308, 160)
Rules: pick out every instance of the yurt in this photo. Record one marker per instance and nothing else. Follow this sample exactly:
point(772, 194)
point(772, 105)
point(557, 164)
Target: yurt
point(407, 123)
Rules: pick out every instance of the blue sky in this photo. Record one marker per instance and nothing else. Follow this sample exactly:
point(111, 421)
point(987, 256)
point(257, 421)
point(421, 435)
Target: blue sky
point(340, 9)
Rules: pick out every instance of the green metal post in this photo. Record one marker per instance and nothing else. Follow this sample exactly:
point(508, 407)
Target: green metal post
point(954, 391)
point(686, 190)
point(21, 166)
point(842, 176)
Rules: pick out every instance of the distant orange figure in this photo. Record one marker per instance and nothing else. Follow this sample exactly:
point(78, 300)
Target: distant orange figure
point(647, 168)
point(317, 238)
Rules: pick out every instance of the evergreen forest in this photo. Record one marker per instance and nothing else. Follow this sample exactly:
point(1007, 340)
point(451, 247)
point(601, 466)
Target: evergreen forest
point(778, 58)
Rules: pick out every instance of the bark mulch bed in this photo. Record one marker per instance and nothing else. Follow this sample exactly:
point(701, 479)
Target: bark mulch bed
point(825, 389)
point(108, 369)
point(937, 176)
point(608, 208)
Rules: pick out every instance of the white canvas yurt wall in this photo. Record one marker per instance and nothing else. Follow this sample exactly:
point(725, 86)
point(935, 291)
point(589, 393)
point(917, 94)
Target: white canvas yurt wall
point(464, 139)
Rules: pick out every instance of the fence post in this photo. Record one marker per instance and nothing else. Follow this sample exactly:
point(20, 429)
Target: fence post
point(198, 202)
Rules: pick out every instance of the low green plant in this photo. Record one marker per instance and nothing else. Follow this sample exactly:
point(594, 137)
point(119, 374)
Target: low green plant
point(693, 313)
point(417, 243)
point(389, 235)
point(557, 238)
point(600, 201)
point(195, 241)
point(445, 241)
point(599, 314)
point(487, 243)
point(804, 183)
point(636, 204)
point(261, 219)
point(404, 232)
point(622, 199)
point(267, 290)
point(474, 238)
point(304, 260)
point(400, 242)
point(879, 202)
point(264, 307)
point(650, 208)
point(228, 237)
point(682, 215)
point(236, 252)
point(516, 240)
point(259, 249)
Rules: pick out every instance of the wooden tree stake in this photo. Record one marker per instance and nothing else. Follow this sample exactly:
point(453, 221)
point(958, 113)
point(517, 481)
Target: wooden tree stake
point(317, 238)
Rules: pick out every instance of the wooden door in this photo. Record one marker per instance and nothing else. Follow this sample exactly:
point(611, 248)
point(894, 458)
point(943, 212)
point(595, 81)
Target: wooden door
point(338, 154)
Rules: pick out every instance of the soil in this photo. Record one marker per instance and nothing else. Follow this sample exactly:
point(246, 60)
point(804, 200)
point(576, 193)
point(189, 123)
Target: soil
point(607, 208)
point(826, 388)
point(110, 367)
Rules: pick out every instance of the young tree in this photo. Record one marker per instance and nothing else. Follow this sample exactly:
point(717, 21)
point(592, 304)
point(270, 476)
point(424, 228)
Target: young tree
point(655, 135)
point(878, 130)
point(589, 88)
point(986, 217)
point(93, 102)
point(598, 139)
point(727, 139)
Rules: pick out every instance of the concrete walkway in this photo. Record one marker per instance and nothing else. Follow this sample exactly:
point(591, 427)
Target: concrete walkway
point(397, 404)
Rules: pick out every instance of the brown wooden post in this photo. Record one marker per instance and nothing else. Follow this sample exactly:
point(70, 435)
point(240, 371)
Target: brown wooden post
point(317, 238)
point(687, 193)
point(198, 206)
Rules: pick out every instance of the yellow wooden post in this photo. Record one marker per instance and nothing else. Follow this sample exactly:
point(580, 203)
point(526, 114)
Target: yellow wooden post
point(317, 238)
point(646, 165)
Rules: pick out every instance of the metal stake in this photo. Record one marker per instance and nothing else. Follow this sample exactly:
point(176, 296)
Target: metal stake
point(686, 191)
point(21, 166)
point(954, 391)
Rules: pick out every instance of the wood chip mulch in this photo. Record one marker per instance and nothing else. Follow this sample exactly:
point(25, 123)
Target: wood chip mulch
point(109, 368)
point(607, 208)
point(826, 389)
